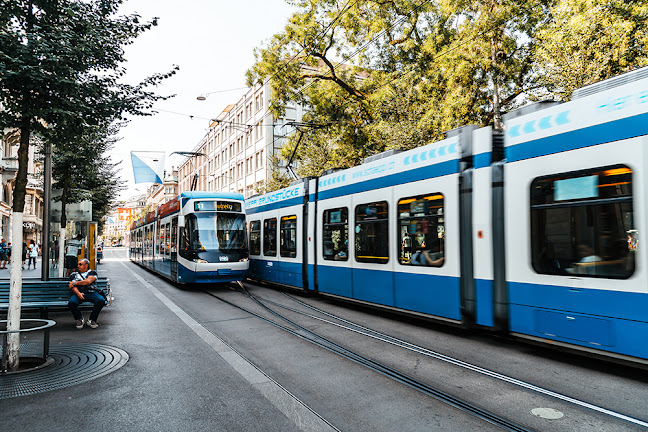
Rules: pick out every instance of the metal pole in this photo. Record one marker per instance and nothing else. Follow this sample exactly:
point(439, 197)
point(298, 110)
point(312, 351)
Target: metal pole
point(47, 199)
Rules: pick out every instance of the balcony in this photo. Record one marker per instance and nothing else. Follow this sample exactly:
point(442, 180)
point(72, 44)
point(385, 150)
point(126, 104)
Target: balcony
point(9, 164)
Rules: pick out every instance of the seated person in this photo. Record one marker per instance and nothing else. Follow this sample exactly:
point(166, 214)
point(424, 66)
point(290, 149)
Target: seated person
point(586, 254)
point(83, 283)
point(428, 258)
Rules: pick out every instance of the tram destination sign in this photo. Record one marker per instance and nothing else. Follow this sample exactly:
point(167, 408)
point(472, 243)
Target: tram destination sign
point(217, 206)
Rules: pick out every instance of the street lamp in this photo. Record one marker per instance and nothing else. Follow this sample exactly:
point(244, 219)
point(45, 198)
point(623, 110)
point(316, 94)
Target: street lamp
point(203, 96)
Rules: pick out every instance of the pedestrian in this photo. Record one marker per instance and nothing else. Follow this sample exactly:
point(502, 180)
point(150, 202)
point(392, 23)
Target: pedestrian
point(24, 254)
point(72, 254)
point(54, 255)
point(33, 253)
point(83, 284)
point(4, 255)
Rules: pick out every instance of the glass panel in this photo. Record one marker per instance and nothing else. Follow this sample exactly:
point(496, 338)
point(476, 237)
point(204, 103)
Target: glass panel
point(335, 232)
point(587, 227)
point(255, 238)
point(288, 236)
point(372, 233)
point(421, 230)
point(219, 231)
point(270, 237)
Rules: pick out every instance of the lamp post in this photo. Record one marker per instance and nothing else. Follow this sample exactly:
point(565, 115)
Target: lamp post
point(47, 201)
point(204, 96)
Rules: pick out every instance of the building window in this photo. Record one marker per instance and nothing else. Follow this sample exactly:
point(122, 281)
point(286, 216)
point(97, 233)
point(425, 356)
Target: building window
point(582, 222)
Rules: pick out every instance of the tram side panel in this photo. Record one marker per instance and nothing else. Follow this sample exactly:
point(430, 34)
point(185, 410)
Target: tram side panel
point(375, 218)
point(275, 228)
point(334, 246)
point(482, 227)
point(290, 238)
point(427, 267)
point(311, 236)
point(575, 272)
point(372, 266)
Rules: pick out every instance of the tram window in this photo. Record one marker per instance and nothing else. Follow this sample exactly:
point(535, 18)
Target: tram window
point(372, 233)
point(288, 236)
point(161, 243)
point(255, 237)
point(582, 223)
point(336, 234)
point(421, 230)
point(167, 238)
point(270, 237)
point(174, 236)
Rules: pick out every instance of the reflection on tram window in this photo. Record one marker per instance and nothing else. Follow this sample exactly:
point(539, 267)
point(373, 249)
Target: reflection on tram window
point(288, 236)
point(372, 233)
point(421, 230)
point(255, 237)
point(270, 237)
point(216, 231)
point(336, 234)
point(582, 223)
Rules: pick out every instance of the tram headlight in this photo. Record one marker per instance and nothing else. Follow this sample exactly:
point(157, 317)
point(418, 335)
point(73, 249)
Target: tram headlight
point(200, 261)
point(243, 260)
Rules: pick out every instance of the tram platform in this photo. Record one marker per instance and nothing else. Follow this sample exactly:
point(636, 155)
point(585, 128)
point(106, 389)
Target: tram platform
point(148, 367)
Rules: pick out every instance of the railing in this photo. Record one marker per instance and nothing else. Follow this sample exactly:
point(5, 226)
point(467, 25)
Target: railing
point(46, 337)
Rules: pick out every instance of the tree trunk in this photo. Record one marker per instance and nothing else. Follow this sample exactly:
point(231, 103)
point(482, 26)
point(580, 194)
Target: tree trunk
point(15, 274)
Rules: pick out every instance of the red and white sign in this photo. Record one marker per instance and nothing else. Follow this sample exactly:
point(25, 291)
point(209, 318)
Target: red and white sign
point(124, 214)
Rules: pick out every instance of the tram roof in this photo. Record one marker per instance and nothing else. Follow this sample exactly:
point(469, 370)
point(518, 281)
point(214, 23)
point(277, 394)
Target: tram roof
point(222, 195)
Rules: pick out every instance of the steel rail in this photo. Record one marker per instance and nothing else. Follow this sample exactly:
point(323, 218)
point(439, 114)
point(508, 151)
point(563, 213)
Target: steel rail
point(429, 353)
point(323, 342)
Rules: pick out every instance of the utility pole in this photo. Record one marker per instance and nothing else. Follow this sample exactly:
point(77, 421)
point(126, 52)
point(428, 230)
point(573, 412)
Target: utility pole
point(47, 200)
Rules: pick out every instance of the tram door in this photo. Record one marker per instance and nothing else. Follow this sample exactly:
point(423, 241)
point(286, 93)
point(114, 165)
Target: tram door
point(174, 249)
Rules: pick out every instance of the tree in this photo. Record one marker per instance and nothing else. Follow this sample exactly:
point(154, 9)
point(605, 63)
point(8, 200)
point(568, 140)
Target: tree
point(59, 61)
point(83, 171)
point(588, 41)
point(404, 72)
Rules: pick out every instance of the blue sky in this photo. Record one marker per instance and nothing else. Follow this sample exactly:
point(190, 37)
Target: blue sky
point(213, 43)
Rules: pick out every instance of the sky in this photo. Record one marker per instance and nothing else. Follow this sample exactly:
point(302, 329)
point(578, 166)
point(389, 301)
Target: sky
point(213, 42)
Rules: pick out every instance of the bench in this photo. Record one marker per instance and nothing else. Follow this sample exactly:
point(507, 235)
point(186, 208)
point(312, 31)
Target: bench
point(45, 295)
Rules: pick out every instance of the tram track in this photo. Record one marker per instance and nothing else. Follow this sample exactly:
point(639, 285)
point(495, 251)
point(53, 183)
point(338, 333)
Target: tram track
point(365, 331)
point(306, 334)
point(323, 342)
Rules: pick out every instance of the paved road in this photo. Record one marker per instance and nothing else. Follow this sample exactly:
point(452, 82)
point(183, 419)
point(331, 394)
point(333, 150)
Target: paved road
point(182, 373)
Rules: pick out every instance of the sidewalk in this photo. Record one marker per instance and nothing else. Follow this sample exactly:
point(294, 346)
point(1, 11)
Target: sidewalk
point(173, 380)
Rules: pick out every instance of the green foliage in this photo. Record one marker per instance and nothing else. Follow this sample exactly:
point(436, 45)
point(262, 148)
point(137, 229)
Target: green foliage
point(588, 41)
point(383, 74)
point(61, 70)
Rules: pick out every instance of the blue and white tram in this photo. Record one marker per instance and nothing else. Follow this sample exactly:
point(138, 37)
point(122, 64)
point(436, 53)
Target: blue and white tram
point(533, 232)
point(199, 237)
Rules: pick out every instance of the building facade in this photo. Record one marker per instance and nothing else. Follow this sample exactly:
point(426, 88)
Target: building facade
point(117, 222)
point(33, 211)
point(237, 148)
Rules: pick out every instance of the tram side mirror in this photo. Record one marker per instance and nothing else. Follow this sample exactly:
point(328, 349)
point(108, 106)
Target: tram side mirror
point(181, 221)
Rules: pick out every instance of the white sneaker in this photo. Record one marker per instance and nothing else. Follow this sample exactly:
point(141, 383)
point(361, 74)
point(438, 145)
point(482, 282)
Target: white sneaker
point(79, 323)
point(93, 324)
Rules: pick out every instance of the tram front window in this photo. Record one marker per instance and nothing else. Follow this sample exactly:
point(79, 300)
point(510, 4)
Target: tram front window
point(213, 236)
